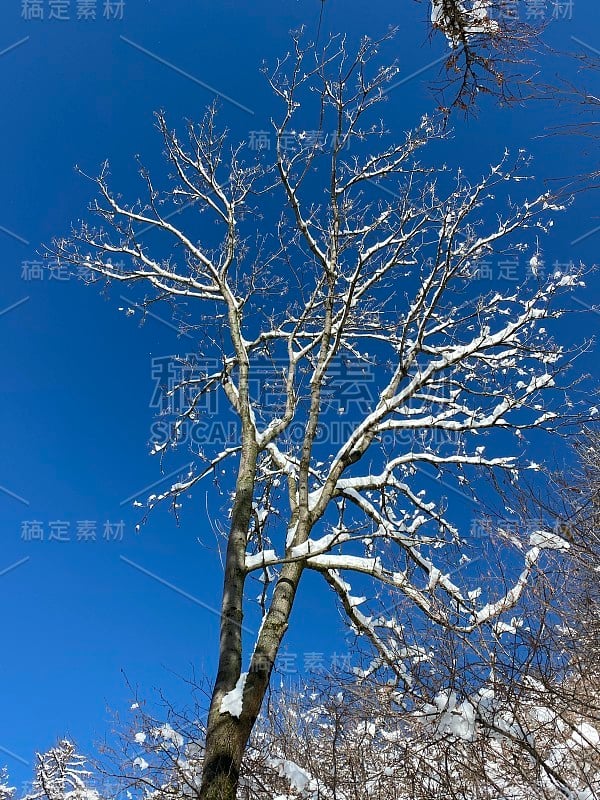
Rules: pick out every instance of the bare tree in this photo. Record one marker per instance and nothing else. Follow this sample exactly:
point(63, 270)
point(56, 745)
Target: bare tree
point(323, 740)
point(488, 44)
point(338, 251)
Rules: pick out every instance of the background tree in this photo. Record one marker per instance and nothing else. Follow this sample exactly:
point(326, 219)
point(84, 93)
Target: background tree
point(61, 773)
point(345, 247)
point(332, 739)
point(490, 42)
point(6, 791)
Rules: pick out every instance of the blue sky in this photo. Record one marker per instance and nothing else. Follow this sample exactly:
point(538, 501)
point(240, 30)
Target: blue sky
point(77, 373)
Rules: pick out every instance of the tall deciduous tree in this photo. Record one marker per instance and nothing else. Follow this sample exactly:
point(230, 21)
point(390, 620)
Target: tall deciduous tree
point(343, 249)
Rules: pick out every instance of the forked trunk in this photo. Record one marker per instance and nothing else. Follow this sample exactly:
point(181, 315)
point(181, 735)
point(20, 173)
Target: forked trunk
point(227, 736)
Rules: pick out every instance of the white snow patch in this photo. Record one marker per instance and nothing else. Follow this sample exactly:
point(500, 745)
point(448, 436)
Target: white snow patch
point(299, 779)
point(585, 735)
point(169, 734)
point(233, 701)
point(260, 559)
point(548, 540)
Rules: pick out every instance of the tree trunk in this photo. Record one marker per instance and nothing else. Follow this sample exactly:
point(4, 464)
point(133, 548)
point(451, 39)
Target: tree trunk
point(227, 736)
point(224, 741)
point(225, 744)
